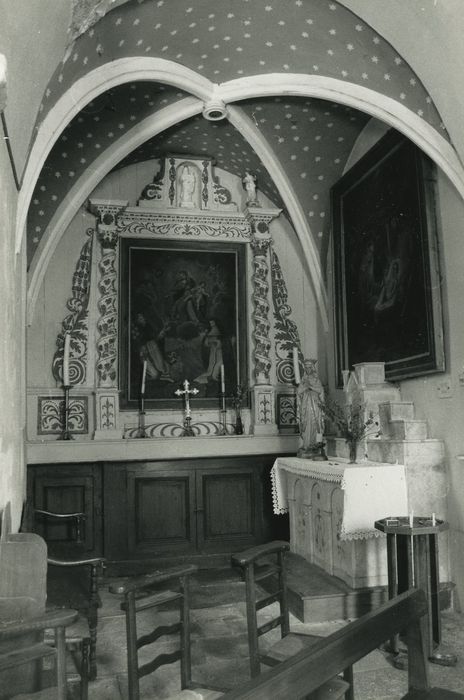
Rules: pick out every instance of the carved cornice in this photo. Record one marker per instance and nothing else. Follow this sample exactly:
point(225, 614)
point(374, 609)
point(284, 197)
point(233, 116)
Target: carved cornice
point(259, 219)
point(174, 223)
point(107, 212)
point(178, 224)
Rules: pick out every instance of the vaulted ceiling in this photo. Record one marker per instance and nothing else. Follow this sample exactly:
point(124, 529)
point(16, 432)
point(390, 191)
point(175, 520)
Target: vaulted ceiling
point(221, 41)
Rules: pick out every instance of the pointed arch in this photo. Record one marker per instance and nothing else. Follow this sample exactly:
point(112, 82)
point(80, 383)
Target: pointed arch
point(203, 92)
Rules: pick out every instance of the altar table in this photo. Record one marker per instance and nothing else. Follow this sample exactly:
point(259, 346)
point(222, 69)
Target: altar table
point(333, 506)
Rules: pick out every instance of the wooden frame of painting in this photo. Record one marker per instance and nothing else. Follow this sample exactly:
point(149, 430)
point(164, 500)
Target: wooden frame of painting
point(183, 310)
point(387, 277)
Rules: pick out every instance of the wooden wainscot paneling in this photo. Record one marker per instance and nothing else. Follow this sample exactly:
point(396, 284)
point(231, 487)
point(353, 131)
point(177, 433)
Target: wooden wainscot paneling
point(183, 507)
point(67, 488)
point(161, 510)
point(139, 511)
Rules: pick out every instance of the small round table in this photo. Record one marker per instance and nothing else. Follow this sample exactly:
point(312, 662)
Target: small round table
point(412, 559)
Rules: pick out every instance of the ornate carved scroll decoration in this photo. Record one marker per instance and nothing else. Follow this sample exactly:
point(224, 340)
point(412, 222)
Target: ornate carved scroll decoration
point(167, 430)
point(51, 412)
point(107, 405)
point(286, 411)
point(205, 179)
point(76, 323)
point(262, 326)
point(182, 225)
point(172, 179)
point(107, 324)
point(153, 191)
point(286, 330)
point(265, 412)
point(221, 194)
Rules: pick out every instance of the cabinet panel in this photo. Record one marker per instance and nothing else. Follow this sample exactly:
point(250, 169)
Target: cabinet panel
point(227, 500)
point(161, 506)
point(139, 510)
point(68, 489)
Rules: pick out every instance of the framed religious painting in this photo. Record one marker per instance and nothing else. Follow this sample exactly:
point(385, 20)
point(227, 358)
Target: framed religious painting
point(183, 313)
point(387, 276)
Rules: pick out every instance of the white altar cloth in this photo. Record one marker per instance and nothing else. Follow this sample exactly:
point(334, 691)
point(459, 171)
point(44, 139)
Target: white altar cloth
point(372, 490)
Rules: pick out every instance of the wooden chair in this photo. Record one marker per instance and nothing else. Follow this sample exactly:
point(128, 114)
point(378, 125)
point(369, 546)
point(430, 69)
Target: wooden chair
point(139, 595)
point(74, 581)
point(23, 647)
point(260, 563)
point(15, 652)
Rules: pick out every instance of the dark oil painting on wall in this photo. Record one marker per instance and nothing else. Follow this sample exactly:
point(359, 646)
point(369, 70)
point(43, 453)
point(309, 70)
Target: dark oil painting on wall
point(387, 293)
point(183, 312)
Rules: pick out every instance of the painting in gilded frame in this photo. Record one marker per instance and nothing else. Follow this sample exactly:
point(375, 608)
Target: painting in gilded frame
point(183, 310)
point(387, 277)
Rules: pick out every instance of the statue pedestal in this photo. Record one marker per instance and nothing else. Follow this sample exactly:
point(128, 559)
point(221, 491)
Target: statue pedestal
point(315, 453)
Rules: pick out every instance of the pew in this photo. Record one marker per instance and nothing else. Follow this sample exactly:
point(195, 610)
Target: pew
point(305, 672)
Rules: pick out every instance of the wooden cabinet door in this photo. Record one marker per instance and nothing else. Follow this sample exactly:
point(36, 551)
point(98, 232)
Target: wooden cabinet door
point(161, 511)
point(228, 508)
point(68, 489)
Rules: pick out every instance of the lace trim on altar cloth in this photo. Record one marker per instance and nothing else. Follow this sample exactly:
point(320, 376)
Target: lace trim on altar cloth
point(332, 471)
point(370, 491)
point(359, 534)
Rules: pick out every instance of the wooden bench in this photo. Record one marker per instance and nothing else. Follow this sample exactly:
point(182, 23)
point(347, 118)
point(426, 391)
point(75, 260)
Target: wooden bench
point(305, 672)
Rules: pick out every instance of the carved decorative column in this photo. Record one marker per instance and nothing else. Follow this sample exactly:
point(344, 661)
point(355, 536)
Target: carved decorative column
point(264, 422)
point(106, 366)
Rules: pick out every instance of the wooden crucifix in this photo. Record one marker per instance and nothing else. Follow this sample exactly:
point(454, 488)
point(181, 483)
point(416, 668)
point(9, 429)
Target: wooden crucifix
point(186, 392)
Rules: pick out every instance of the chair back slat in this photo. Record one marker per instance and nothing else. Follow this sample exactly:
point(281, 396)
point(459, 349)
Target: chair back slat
point(270, 625)
point(161, 631)
point(139, 596)
point(158, 661)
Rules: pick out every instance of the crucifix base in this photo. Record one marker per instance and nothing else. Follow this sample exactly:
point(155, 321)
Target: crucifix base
point(188, 430)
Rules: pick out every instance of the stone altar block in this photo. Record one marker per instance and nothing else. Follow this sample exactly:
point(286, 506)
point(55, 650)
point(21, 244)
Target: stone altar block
point(333, 506)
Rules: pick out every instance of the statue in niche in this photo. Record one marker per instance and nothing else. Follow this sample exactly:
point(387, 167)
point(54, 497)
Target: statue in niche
point(187, 184)
point(250, 185)
point(310, 395)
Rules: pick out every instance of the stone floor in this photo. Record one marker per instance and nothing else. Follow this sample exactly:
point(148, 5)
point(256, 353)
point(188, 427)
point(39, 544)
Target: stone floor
point(219, 649)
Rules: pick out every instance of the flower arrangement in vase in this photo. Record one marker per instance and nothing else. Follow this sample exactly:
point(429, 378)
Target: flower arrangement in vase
point(353, 422)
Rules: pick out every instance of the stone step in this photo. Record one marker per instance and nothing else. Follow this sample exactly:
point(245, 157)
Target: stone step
point(406, 429)
point(428, 452)
point(394, 411)
point(316, 596)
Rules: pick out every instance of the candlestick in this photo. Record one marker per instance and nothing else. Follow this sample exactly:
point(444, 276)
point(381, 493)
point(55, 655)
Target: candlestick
point(141, 432)
point(296, 365)
point(144, 374)
point(66, 433)
point(66, 349)
point(434, 521)
point(223, 384)
point(223, 414)
point(411, 519)
point(346, 376)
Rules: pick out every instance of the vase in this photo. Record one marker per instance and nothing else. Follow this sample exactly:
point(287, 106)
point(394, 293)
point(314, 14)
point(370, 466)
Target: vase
point(238, 427)
point(353, 447)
